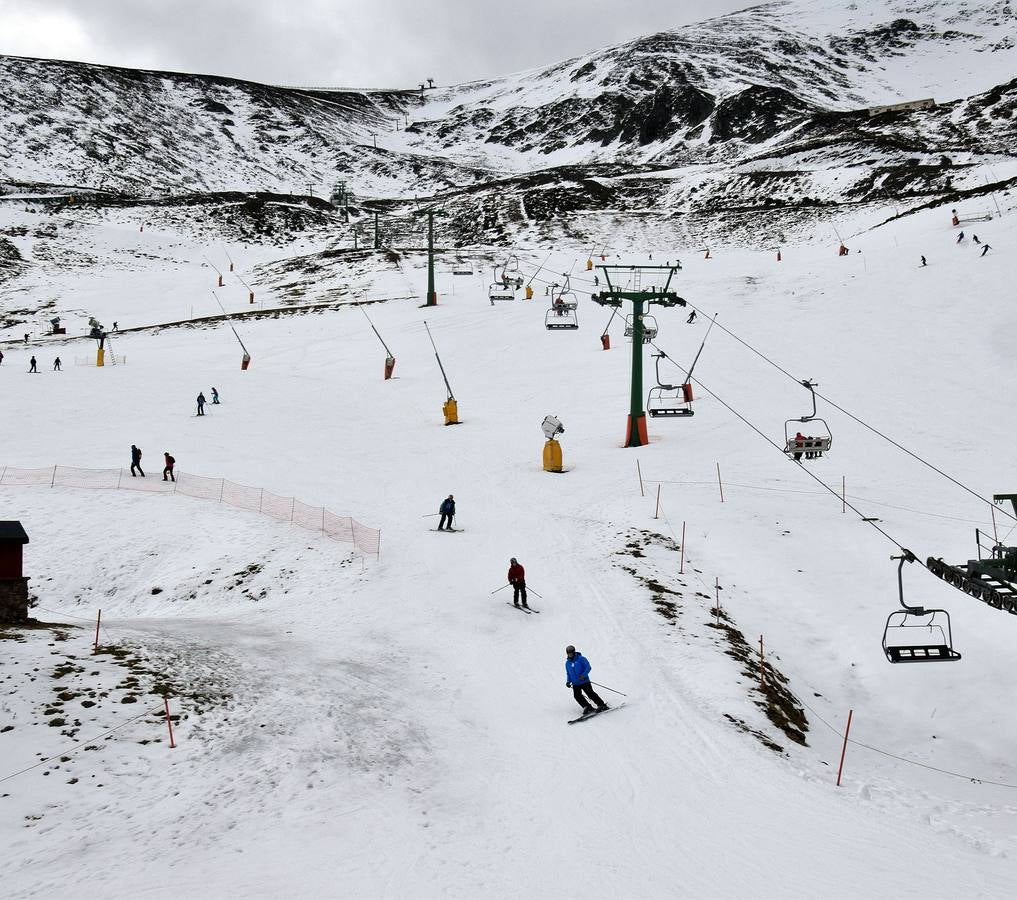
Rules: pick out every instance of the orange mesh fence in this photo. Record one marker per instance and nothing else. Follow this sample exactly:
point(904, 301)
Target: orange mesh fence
point(282, 509)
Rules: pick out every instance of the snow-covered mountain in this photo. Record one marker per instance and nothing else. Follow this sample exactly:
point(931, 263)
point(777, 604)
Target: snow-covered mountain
point(775, 84)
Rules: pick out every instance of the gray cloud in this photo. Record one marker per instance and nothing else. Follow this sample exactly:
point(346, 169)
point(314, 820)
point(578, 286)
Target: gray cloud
point(366, 43)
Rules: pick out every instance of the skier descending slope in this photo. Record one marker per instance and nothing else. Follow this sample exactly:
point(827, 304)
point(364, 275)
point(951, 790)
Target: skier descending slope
point(517, 578)
point(448, 513)
point(577, 671)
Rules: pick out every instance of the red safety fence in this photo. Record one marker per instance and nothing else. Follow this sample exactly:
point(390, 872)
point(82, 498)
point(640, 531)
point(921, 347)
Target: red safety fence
point(241, 496)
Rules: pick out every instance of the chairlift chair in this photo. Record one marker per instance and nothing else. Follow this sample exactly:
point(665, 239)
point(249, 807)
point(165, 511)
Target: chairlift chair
point(563, 317)
point(915, 633)
point(649, 327)
point(810, 446)
point(669, 399)
point(500, 289)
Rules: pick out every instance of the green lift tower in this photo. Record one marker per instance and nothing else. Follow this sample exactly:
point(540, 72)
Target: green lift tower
point(642, 286)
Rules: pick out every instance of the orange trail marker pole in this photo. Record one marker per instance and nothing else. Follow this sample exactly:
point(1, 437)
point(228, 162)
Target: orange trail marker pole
point(169, 723)
point(843, 750)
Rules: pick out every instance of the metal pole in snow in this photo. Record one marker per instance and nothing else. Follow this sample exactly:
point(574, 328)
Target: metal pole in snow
point(169, 723)
point(681, 568)
point(639, 472)
point(843, 749)
point(98, 619)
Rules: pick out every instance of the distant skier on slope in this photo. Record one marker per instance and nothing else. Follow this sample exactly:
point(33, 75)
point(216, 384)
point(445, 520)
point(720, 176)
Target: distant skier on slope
point(448, 513)
point(924, 263)
point(136, 461)
point(974, 237)
point(986, 248)
point(56, 364)
point(168, 470)
point(517, 578)
point(577, 673)
point(1, 356)
point(691, 318)
point(215, 397)
point(31, 365)
point(201, 404)
point(960, 237)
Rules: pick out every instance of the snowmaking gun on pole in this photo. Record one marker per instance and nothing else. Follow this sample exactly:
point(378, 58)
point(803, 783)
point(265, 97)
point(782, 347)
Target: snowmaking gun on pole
point(451, 407)
point(245, 360)
point(389, 358)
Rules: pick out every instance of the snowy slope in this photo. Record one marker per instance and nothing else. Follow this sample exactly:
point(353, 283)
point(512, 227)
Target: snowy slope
point(400, 731)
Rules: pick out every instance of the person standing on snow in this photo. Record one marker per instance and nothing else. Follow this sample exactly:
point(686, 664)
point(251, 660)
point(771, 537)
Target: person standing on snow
point(31, 365)
point(986, 248)
point(215, 397)
point(974, 237)
point(691, 318)
point(924, 263)
point(960, 237)
point(517, 578)
point(577, 672)
point(56, 364)
point(136, 461)
point(201, 404)
point(170, 463)
point(448, 513)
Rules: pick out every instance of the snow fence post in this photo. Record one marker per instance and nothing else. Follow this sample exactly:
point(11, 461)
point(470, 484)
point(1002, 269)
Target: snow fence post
point(98, 619)
point(52, 481)
point(843, 493)
point(656, 512)
point(261, 499)
point(120, 476)
point(843, 749)
point(720, 484)
point(169, 723)
point(716, 591)
point(639, 472)
point(762, 686)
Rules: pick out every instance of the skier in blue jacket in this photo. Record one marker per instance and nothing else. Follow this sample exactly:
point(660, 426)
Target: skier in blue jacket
point(577, 672)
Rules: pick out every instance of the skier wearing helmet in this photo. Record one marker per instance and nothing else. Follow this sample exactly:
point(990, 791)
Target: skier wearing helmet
point(577, 672)
point(517, 578)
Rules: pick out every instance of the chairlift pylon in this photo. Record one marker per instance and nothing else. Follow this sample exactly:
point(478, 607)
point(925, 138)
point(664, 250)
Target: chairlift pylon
point(812, 445)
point(915, 633)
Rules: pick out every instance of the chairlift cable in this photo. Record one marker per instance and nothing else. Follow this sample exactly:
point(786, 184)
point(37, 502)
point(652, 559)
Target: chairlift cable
point(862, 422)
point(844, 501)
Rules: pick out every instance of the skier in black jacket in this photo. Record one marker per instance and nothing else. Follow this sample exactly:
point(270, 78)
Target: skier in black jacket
point(448, 512)
point(136, 461)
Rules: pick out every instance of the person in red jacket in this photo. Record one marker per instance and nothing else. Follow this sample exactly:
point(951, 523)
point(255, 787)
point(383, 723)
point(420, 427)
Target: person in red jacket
point(517, 578)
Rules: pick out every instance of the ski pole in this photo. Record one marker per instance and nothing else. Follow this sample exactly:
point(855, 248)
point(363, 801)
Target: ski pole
point(429, 515)
point(501, 588)
point(532, 591)
point(606, 688)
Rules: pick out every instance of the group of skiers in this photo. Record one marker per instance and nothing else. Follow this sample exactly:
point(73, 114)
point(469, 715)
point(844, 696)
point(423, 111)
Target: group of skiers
point(33, 363)
point(202, 401)
point(167, 472)
point(577, 666)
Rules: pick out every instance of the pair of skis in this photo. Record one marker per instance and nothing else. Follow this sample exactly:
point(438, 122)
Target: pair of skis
point(525, 609)
point(594, 714)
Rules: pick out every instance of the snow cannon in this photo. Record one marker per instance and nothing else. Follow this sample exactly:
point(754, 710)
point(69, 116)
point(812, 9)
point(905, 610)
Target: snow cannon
point(552, 426)
point(245, 361)
point(529, 292)
point(451, 411)
point(605, 341)
point(589, 265)
point(250, 296)
point(389, 367)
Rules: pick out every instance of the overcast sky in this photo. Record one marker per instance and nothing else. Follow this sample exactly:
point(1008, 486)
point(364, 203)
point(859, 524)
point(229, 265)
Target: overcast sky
point(367, 43)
